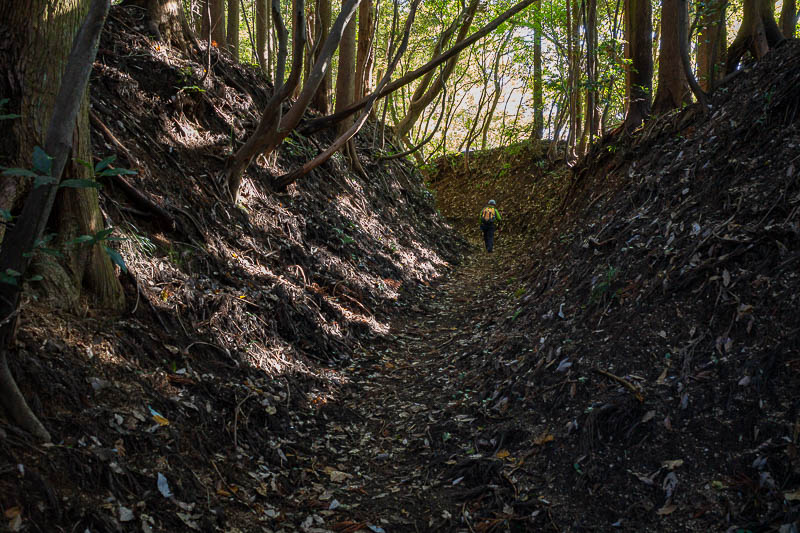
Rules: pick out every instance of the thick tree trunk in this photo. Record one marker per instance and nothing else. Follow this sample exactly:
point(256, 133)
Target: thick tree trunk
point(711, 37)
point(673, 87)
point(166, 20)
point(232, 34)
point(758, 33)
point(57, 112)
point(639, 79)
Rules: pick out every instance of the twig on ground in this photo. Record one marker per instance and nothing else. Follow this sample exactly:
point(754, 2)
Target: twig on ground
point(622, 381)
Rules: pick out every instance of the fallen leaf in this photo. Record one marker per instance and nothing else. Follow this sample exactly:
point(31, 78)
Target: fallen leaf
point(336, 476)
point(673, 464)
point(502, 454)
point(667, 509)
point(543, 439)
point(792, 496)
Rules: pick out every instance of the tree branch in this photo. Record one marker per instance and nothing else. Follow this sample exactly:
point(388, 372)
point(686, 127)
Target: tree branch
point(328, 121)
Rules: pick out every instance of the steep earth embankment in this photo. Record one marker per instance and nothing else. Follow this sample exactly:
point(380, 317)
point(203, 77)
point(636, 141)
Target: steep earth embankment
point(644, 373)
point(183, 413)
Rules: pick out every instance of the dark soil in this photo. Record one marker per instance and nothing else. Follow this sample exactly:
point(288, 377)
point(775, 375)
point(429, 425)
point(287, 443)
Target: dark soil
point(336, 358)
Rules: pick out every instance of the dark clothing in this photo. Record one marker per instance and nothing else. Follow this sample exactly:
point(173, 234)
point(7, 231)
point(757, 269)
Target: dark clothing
point(488, 235)
point(489, 216)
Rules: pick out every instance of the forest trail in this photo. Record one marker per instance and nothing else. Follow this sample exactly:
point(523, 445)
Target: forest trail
point(400, 445)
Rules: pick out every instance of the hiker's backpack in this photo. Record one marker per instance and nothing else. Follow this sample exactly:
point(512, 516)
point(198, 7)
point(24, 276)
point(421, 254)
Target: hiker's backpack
point(488, 215)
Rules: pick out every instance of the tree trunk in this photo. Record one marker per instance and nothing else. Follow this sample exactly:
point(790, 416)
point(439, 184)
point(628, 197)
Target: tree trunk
point(166, 20)
point(57, 111)
point(322, 100)
point(217, 8)
point(262, 34)
point(788, 20)
point(364, 53)
point(592, 126)
point(639, 80)
point(673, 87)
point(758, 33)
point(233, 29)
point(711, 42)
point(345, 75)
point(538, 102)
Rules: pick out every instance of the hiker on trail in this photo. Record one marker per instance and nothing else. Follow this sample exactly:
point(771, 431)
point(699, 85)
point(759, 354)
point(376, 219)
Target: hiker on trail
point(490, 216)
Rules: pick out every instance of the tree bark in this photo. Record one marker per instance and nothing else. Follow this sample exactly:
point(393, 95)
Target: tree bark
point(217, 8)
point(345, 75)
point(322, 99)
point(639, 36)
point(711, 42)
point(166, 20)
point(365, 51)
point(66, 107)
point(673, 87)
point(538, 103)
point(282, 34)
point(788, 19)
point(262, 34)
point(758, 33)
point(233, 29)
point(592, 125)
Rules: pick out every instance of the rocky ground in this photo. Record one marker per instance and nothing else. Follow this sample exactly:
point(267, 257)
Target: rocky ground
point(337, 358)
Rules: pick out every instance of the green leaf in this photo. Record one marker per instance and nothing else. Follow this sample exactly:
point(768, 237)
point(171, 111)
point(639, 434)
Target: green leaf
point(5, 214)
point(9, 116)
point(116, 258)
point(104, 163)
point(102, 234)
point(82, 239)
point(37, 277)
point(21, 172)
point(80, 184)
point(4, 278)
point(13, 273)
point(116, 172)
point(42, 180)
point(41, 161)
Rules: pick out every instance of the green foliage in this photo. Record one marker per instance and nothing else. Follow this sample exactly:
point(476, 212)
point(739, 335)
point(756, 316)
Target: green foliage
point(603, 286)
point(40, 173)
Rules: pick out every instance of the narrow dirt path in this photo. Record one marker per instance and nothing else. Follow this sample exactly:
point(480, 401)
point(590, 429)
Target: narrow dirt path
point(400, 448)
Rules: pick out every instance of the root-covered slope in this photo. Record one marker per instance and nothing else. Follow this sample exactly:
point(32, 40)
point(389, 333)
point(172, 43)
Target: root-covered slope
point(234, 314)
